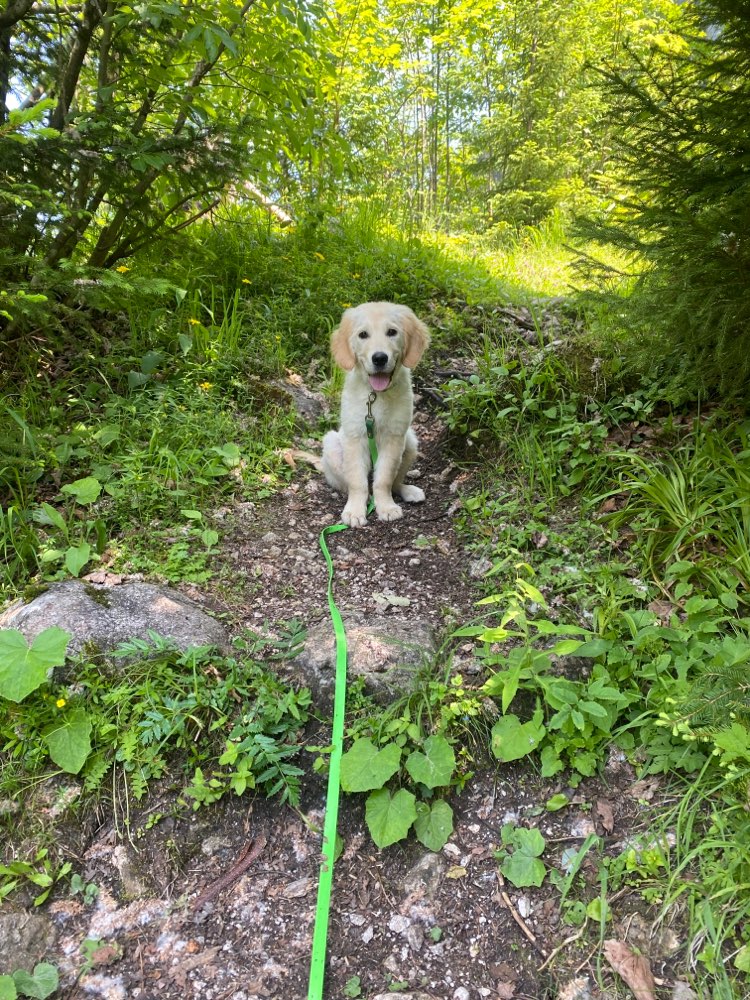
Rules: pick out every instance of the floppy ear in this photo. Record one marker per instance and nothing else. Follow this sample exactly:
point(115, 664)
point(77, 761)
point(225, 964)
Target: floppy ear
point(340, 348)
point(417, 338)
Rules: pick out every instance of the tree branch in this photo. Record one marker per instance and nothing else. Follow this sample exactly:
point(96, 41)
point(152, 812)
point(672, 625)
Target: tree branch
point(92, 16)
point(15, 11)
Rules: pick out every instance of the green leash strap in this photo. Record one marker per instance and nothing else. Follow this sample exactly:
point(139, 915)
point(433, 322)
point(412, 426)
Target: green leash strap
point(320, 932)
point(323, 906)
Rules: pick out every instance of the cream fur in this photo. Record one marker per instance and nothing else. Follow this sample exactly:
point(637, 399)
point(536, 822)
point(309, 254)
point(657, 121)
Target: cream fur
point(391, 330)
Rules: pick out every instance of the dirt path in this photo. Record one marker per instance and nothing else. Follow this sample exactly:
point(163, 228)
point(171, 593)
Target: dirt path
point(220, 904)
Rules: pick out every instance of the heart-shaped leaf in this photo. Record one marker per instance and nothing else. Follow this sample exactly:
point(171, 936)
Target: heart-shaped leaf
point(389, 817)
point(434, 824)
point(364, 767)
point(23, 668)
point(69, 741)
point(435, 766)
point(41, 984)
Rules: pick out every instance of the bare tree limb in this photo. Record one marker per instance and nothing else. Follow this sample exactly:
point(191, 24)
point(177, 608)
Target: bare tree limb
point(93, 12)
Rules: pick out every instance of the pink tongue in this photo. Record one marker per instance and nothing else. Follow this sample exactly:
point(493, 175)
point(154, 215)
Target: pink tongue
point(380, 382)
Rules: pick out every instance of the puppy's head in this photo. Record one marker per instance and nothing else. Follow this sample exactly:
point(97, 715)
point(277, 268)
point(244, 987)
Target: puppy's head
point(377, 337)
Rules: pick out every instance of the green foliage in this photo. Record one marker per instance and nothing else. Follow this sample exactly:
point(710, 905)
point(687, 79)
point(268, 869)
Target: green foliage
point(226, 724)
point(40, 872)
point(157, 111)
point(520, 859)
point(678, 121)
point(691, 512)
point(390, 815)
point(24, 667)
point(39, 984)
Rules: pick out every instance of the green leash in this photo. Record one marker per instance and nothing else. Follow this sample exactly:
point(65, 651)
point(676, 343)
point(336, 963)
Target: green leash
point(325, 883)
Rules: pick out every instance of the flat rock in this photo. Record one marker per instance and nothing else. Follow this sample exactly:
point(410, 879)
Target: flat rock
point(425, 877)
point(25, 939)
point(309, 405)
point(106, 616)
point(385, 653)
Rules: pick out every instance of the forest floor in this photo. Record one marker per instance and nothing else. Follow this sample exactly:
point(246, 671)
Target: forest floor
point(220, 903)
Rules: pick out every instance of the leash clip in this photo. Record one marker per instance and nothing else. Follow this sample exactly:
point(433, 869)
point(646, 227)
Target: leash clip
point(369, 419)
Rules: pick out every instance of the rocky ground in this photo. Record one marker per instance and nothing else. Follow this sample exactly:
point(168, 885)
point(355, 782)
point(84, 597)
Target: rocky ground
point(220, 904)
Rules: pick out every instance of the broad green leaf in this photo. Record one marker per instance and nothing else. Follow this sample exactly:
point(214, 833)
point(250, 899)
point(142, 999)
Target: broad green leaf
point(742, 958)
point(107, 434)
point(41, 984)
point(594, 647)
point(76, 557)
point(522, 870)
point(558, 801)
point(435, 766)
point(7, 988)
point(532, 593)
point(389, 817)
point(434, 824)
point(523, 867)
point(598, 910)
point(566, 646)
point(512, 739)
point(69, 742)
point(593, 709)
point(84, 491)
point(364, 767)
point(551, 763)
point(209, 537)
point(23, 668)
point(734, 743)
point(46, 514)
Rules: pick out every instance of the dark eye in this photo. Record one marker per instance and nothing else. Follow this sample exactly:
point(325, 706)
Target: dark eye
point(363, 334)
point(392, 332)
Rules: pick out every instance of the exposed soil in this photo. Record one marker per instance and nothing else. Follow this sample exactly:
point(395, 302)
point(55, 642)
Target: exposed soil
point(221, 903)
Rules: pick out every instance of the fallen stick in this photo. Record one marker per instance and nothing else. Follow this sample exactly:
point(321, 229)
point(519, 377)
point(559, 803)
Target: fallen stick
point(521, 922)
point(249, 853)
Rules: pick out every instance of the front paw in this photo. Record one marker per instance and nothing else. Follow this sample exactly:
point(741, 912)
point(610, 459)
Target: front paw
point(354, 517)
point(411, 494)
point(388, 511)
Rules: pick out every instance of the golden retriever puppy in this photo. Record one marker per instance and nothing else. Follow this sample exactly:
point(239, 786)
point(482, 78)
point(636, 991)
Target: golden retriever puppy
point(377, 344)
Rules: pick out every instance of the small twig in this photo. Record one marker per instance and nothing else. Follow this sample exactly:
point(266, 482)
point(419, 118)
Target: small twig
point(249, 853)
point(556, 951)
point(521, 922)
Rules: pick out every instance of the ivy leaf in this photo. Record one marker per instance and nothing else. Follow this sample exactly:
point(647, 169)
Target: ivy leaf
point(389, 817)
point(69, 742)
point(364, 767)
point(41, 984)
point(434, 825)
point(435, 766)
point(23, 668)
point(512, 739)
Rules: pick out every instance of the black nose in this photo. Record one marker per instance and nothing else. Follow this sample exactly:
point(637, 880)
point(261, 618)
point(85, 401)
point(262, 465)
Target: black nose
point(379, 359)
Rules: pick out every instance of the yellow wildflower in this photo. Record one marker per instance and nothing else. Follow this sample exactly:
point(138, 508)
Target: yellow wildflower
point(355, 276)
point(60, 703)
point(345, 305)
point(318, 255)
point(122, 269)
point(205, 386)
point(194, 322)
point(246, 281)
